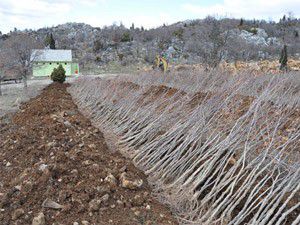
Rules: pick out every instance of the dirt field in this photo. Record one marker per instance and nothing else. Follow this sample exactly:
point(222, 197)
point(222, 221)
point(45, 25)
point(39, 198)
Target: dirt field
point(55, 168)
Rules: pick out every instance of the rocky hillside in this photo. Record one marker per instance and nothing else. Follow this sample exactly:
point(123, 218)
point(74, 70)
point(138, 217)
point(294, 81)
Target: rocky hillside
point(196, 41)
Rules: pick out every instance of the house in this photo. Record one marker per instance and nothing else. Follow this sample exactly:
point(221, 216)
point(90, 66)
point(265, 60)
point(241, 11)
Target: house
point(45, 60)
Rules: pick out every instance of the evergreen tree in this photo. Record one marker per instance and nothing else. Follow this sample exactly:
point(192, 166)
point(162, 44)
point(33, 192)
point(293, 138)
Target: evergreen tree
point(241, 22)
point(52, 42)
point(132, 26)
point(283, 58)
point(58, 74)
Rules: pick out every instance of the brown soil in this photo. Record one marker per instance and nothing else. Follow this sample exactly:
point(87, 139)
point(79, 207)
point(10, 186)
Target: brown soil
point(50, 151)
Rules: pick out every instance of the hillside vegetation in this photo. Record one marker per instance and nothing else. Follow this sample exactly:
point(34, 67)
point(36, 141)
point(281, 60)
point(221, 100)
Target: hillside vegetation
point(207, 41)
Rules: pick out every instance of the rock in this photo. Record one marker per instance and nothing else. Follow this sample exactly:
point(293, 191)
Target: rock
point(105, 198)
point(148, 207)
point(137, 200)
point(51, 204)
point(18, 187)
point(67, 124)
point(123, 169)
point(63, 195)
point(17, 214)
point(94, 205)
point(111, 179)
point(92, 146)
point(96, 168)
point(39, 219)
point(84, 222)
point(102, 190)
point(137, 213)
point(27, 187)
point(129, 183)
point(81, 145)
point(8, 164)
point(86, 162)
point(119, 202)
point(75, 223)
point(43, 167)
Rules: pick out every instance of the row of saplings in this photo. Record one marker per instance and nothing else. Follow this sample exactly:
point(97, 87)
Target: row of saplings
point(58, 74)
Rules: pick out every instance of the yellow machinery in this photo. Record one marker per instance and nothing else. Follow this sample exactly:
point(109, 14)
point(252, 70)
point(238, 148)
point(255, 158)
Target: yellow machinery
point(161, 62)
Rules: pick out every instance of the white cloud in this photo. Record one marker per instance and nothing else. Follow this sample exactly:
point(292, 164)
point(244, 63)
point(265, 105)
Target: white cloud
point(39, 13)
point(260, 9)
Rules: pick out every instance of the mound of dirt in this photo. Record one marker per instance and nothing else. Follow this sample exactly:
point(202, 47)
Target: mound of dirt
point(55, 168)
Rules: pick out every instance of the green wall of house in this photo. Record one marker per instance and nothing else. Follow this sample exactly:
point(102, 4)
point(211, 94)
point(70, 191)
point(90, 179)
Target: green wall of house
point(43, 69)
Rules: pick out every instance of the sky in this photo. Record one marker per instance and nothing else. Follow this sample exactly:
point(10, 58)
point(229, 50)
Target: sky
point(34, 14)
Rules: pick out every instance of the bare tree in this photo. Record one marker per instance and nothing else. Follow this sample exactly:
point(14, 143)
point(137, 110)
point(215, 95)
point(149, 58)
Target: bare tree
point(1, 77)
point(214, 54)
point(17, 55)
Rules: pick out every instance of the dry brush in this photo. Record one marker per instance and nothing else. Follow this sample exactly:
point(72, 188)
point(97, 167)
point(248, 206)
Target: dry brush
point(218, 149)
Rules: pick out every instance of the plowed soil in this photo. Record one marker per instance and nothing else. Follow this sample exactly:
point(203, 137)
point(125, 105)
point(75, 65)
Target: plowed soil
point(48, 150)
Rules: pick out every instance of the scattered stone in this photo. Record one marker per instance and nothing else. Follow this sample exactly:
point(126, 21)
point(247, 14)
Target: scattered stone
point(27, 187)
point(119, 202)
point(132, 184)
point(17, 214)
point(43, 167)
point(39, 219)
point(86, 162)
point(67, 124)
point(48, 203)
point(137, 213)
point(111, 179)
point(8, 164)
point(138, 200)
point(148, 222)
point(75, 223)
point(96, 168)
point(104, 198)
point(81, 145)
point(84, 222)
point(94, 205)
point(148, 207)
point(102, 190)
point(18, 187)
point(123, 169)
point(92, 146)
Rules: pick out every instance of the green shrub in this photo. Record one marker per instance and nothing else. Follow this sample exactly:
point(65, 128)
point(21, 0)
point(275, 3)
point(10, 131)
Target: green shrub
point(178, 33)
point(252, 30)
point(120, 56)
point(126, 37)
point(58, 74)
point(283, 58)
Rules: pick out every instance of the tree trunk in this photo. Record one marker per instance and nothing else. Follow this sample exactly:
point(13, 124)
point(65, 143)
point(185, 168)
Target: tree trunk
point(24, 78)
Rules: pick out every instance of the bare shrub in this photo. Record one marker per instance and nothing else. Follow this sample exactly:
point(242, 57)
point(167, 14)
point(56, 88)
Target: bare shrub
point(221, 149)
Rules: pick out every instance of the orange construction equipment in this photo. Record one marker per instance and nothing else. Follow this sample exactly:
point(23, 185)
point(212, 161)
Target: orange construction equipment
point(162, 63)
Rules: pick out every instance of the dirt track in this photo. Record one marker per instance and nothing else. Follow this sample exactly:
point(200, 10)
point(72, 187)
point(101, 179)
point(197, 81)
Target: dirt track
point(50, 153)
